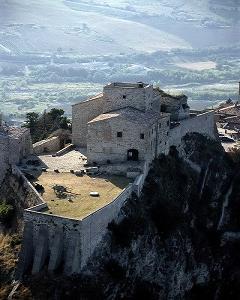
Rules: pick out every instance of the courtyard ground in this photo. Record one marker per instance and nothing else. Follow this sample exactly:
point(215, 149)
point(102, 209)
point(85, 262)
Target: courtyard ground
point(77, 202)
point(72, 160)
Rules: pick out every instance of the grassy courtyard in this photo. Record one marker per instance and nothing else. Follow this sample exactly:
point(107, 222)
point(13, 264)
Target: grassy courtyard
point(76, 201)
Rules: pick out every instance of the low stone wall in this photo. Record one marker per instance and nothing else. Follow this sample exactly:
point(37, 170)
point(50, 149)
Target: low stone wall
point(119, 169)
point(65, 150)
point(48, 145)
point(28, 196)
point(139, 181)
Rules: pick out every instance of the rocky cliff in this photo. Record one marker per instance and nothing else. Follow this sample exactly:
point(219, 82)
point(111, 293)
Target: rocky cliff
point(180, 240)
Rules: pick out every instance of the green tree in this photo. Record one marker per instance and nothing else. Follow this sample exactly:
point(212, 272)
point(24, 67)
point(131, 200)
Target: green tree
point(31, 121)
point(56, 113)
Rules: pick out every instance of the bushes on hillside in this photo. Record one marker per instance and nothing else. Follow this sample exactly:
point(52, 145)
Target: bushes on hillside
point(6, 213)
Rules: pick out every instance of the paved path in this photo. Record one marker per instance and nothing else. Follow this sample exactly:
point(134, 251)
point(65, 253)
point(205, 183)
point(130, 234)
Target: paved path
point(72, 160)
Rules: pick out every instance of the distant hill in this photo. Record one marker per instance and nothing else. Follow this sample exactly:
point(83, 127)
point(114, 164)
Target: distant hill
point(109, 27)
point(51, 25)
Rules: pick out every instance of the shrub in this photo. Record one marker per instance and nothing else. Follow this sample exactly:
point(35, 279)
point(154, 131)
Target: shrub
point(166, 217)
point(113, 268)
point(6, 213)
point(127, 230)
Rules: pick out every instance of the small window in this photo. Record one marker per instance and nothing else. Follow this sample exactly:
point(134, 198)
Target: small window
point(124, 96)
point(159, 125)
point(167, 133)
point(119, 134)
point(142, 136)
point(168, 123)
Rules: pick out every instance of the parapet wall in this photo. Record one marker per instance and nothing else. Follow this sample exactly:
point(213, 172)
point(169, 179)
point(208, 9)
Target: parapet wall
point(27, 194)
point(48, 145)
point(203, 123)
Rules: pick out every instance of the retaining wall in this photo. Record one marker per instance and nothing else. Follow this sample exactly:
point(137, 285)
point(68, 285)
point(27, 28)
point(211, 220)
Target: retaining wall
point(65, 241)
point(48, 145)
point(203, 123)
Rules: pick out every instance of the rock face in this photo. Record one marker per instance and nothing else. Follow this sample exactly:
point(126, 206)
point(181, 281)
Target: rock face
point(179, 240)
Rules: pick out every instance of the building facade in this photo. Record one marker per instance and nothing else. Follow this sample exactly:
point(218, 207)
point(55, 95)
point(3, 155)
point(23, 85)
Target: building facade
point(125, 122)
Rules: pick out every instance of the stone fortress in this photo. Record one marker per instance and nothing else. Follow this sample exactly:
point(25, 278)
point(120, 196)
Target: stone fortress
point(129, 123)
point(132, 122)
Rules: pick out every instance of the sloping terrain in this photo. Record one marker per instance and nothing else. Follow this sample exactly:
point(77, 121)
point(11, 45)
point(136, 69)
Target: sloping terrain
point(178, 241)
point(46, 26)
point(96, 27)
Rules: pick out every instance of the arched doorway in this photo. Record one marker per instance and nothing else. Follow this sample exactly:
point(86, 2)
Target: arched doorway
point(132, 154)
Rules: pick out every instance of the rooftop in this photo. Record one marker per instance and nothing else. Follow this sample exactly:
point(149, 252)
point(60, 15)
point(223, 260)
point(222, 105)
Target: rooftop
point(96, 97)
point(126, 85)
point(132, 114)
point(77, 202)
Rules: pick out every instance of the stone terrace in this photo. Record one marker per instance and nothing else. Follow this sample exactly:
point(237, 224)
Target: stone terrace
point(77, 202)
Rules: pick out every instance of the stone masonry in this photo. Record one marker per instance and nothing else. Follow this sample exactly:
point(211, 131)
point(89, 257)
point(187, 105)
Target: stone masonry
point(15, 143)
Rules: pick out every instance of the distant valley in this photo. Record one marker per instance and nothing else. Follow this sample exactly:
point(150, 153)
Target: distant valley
point(59, 52)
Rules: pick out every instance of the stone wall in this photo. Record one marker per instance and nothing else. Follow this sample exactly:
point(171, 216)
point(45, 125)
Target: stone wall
point(54, 239)
point(95, 225)
point(203, 123)
point(12, 150)
point(103, 143)
point(122, 96)
point(4, 165)
point(48, 145)
point(19, 147)
point(82, 113)
point(139, 181)
point(59, 240)
point(27, 194)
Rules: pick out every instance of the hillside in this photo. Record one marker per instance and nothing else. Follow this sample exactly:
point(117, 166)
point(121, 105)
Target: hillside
point(178, 241)
point(45, 26)
point(93, 27)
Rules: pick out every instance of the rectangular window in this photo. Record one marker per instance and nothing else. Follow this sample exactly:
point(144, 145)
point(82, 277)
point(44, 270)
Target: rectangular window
point(142, 136)
point(167, 123)
point(124, 96)
point(119, 134)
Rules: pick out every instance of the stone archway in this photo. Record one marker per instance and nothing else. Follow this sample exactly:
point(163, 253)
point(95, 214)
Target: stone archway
point(132, 155)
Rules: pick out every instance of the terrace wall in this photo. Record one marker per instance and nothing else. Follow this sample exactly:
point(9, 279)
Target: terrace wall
point(48, 145)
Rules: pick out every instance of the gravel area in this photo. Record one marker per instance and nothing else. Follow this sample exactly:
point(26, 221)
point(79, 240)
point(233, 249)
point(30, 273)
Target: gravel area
point(73, 160)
